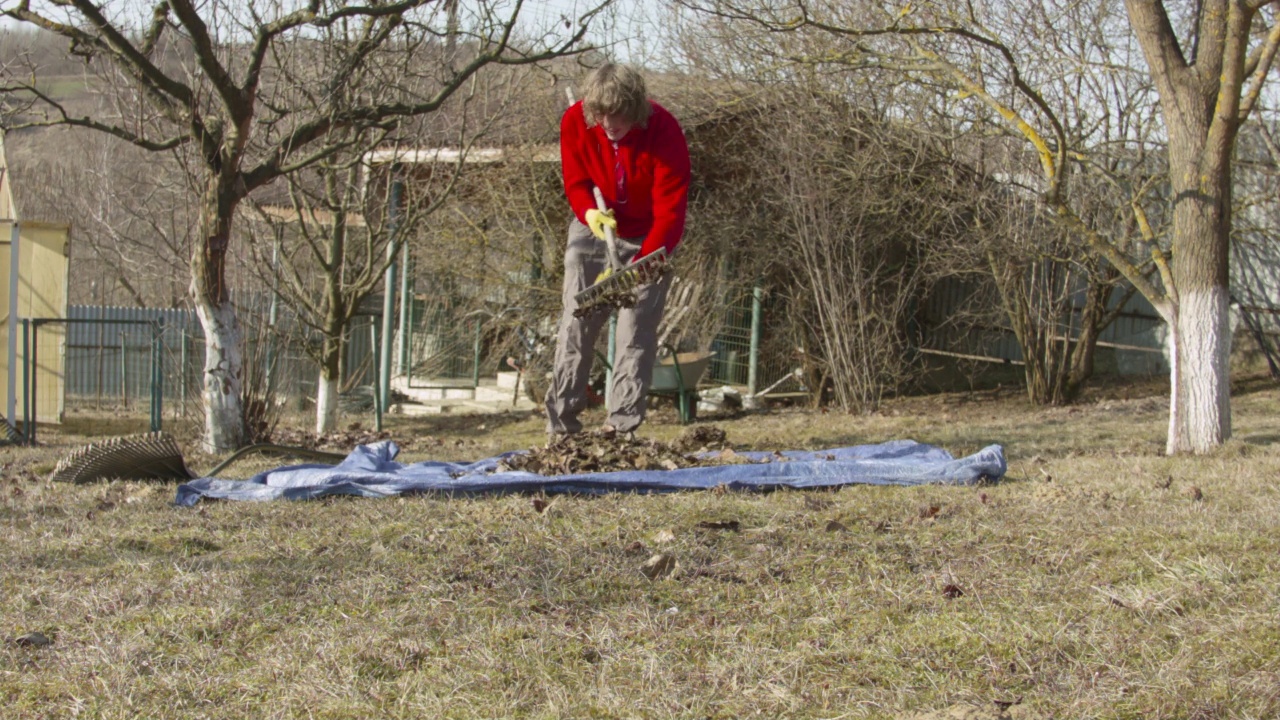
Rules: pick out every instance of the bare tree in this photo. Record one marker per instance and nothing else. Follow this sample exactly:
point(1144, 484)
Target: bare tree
point(203, 79)
point(1055, 298)
point(331, 244)
point(1209, 76)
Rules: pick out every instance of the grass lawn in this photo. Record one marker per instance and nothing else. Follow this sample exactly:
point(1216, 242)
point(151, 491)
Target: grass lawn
point(1100, 579)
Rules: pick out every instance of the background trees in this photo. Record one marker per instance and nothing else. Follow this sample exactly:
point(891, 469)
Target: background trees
point(207, 84)
point(1067, 78)
point(822, 174)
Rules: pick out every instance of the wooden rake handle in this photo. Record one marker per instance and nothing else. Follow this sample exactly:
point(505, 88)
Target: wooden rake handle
point(610, 239)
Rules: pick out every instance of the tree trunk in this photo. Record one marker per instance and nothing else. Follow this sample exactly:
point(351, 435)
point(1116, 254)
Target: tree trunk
point(327, 387)
point(1093, 319)
point(223, 371)
point(1202, 104)
point(326, 404)
point(224, 361)
point(1200, 377)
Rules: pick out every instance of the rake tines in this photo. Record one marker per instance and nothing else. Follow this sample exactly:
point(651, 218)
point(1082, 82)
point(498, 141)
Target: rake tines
point(619, 289)
point(152, 456)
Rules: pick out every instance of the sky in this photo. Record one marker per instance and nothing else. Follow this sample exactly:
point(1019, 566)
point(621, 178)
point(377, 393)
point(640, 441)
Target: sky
point(626, 29)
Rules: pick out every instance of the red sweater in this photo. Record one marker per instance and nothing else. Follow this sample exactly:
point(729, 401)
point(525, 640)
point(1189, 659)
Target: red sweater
point(654, 161)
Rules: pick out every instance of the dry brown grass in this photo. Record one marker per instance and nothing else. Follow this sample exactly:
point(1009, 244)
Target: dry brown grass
point(1091, 583)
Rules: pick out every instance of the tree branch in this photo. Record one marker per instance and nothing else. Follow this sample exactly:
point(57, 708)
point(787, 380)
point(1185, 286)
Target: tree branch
point(159, 21)
point(86, 122)
point(369, 115)
point(1258, 67)
point(169, 95)
point(262, 42)
point(238, 109)
point(1168, 65)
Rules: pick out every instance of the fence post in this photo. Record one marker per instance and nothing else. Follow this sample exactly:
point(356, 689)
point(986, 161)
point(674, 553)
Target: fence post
point(475, 359)
point(11, 325)
point(389, 284)
point(406, 309)
point(182, 372)
point(124, 371)
point(35, 370)
point(272, 312)
point(157, 373)
point(26, 380)
point(101, 350)
point(377, 385)
point(753, 366)
point(610, 355)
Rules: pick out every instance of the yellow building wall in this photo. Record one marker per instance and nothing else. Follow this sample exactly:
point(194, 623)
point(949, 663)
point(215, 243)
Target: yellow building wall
point(42, 293)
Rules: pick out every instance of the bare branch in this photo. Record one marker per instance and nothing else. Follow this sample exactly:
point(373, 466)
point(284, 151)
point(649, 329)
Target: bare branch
point(233, 99)
point(1258, 67)
point(64, 118)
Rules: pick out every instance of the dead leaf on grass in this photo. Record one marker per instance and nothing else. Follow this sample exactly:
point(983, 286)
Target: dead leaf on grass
point(952, 591)
point(540, 505)
point(929, 511)
point(815, 502)
point(1006, 704)
point(964, 711)
point(836, 526)
point(662, 537)
point(1165, 484)
point(659, 566)
point(33, 639)
point(1193, 493)
point(701, 436)
point(720, 525)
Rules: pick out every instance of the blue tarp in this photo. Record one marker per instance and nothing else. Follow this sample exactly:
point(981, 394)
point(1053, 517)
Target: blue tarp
point(371, 471)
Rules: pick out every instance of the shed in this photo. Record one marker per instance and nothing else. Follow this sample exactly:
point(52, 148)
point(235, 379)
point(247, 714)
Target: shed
point(34, 282)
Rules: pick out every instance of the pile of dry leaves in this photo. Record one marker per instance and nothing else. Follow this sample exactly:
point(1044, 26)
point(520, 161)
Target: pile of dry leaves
point(341, 440)
point(602, 451)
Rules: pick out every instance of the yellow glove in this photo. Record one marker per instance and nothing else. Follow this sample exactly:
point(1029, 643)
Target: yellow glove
point(598, 220)
point(601, 277)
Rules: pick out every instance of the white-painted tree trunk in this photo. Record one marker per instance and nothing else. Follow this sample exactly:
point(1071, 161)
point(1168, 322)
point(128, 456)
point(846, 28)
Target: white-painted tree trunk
point(1200, 406)
point(1175, 380)
point(326, 404)
point(223, 375)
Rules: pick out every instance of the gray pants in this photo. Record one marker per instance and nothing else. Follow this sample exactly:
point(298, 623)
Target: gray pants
point(636, 346)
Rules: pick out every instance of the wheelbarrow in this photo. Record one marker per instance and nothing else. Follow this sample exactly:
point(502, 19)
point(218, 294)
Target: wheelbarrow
point(677, 376)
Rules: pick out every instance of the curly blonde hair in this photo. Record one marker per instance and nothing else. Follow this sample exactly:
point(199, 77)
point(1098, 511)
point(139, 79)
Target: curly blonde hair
point(616, 90)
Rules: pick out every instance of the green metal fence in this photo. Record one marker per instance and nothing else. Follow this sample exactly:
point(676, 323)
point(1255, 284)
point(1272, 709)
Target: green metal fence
point(750, 351)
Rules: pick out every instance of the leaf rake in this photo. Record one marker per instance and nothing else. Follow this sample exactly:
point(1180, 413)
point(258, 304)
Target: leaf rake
point(154, 456)
point(618, 288)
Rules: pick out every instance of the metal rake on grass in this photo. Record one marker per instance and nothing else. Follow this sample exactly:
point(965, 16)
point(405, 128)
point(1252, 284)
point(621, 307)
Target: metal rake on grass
point(155, 456)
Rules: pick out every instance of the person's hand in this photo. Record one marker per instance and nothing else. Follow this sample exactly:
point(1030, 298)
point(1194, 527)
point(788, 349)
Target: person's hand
point(598, 220)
